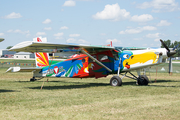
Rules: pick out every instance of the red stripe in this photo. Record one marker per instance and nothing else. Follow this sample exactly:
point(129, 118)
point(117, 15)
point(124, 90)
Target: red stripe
point(46, 56)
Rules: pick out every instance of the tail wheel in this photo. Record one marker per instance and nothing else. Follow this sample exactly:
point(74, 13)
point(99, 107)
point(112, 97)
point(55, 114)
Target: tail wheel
point(143, 80)
point(32, 79)
point(115, 81)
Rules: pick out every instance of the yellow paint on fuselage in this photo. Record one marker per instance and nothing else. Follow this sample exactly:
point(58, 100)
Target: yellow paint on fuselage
point(40, 61)
point(141, 58)
point(90, 65)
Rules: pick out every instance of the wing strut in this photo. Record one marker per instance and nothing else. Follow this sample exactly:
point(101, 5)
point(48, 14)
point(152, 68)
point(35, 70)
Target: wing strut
point(95, 60)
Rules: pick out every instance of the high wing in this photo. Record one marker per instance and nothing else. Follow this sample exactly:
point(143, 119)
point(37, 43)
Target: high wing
point(31, 46)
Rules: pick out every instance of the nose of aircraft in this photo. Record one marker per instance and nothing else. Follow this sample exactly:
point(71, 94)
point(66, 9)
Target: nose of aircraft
point(170, 53)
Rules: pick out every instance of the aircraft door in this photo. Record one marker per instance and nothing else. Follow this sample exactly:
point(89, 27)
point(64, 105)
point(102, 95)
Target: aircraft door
point(104, 59)
point(96, 69)
point(116, 60)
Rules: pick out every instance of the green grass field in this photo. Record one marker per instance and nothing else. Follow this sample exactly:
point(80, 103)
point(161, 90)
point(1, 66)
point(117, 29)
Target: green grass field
point(90, 98)
point(17, 61)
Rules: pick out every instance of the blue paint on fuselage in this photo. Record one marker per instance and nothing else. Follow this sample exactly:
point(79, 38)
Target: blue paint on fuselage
point(76, 65)
point(60, 74)
point(64, 67)
point(124, 55)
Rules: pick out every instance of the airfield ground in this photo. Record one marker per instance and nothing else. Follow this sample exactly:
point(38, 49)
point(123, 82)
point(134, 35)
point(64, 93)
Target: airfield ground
point(89, 98)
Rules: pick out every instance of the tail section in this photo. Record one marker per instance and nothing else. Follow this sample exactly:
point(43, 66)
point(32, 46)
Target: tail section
point(42, 59)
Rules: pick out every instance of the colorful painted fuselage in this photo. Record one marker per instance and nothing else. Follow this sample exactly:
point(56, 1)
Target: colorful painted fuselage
point(81, 66)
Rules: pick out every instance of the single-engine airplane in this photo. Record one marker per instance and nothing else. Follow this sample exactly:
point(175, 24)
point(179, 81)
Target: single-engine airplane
point(93, 61)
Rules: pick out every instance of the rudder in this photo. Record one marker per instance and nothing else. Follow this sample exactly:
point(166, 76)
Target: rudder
point(42, 59)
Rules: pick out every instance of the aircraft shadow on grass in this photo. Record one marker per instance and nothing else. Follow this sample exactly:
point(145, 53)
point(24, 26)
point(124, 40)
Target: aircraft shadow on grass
point(46, 87)
point(76, 85)
point(2, 91)
point(163, 81)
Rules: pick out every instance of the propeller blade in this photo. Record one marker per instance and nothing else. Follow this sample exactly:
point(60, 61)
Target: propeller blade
point(175, 46)
point(170, 66)
point(165, 45)
point(170, 52)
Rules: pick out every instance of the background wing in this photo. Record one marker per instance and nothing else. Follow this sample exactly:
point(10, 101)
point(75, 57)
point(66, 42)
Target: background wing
point(30, 46)
point(1, 39)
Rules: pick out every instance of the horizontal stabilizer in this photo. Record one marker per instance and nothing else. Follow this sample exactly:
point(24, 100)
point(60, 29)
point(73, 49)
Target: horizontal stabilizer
point(19, 69)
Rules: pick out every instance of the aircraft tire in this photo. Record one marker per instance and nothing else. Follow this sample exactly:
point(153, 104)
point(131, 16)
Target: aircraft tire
point(32, 79)
point(115, 81)
point(143, 80)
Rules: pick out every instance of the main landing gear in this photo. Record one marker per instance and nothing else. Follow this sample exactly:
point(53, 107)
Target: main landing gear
point(116, 81)
point(141, 80)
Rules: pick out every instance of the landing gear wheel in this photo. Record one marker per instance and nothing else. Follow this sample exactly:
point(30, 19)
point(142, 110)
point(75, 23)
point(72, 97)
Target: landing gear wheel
point(32, 79)
point(115, 81)
point(143, 80)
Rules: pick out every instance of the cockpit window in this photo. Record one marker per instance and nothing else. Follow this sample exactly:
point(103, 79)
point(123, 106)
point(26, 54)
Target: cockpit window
point(102, 57)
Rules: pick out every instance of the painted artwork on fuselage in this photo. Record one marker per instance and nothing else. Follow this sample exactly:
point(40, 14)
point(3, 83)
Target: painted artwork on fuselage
point(80, 66)
point(132, 59)
point(67, 68)
point(42, 59)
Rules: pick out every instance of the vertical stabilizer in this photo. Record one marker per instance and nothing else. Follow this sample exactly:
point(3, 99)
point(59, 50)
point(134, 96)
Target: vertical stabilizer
point(40, 39)
point(42, 59)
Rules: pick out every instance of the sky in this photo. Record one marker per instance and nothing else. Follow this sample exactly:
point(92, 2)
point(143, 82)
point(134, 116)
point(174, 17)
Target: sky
point(127, 23)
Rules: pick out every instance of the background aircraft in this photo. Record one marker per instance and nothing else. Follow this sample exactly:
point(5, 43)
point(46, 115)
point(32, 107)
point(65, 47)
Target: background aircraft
point(92, 61)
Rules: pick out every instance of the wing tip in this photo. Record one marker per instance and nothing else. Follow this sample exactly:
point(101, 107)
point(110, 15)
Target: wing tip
point(21, 45)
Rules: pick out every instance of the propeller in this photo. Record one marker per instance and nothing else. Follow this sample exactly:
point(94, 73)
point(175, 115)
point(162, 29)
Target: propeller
point(170, 53)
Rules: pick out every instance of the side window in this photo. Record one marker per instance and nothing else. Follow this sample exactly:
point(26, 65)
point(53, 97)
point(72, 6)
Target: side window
point(90, 60)
point(115, 55)
point(102, 57)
